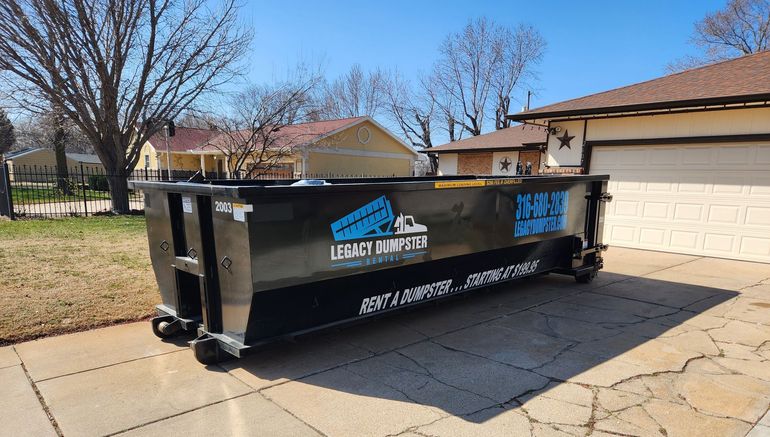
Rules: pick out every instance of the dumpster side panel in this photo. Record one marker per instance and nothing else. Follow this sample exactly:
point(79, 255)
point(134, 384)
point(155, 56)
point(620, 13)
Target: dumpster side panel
point(233, 264)
point(161, 242)
point(299, 239)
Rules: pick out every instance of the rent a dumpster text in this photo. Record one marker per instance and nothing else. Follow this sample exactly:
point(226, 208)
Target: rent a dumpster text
point(439, 288)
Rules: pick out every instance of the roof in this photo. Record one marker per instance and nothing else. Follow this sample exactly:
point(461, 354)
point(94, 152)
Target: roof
point(514, 137)
point(741, 80)
point(185, 139)
point(20, 152)
point(295, 134)
point(85, 158)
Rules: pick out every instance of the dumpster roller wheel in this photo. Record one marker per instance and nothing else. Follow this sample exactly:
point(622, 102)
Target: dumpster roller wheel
point(165, 326)
point(207, 350)
point(585, 278)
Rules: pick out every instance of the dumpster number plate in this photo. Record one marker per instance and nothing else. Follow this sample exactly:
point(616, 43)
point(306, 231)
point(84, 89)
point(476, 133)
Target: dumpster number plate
point(187, 205)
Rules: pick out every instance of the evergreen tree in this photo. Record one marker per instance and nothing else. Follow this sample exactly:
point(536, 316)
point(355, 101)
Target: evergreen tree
point(7, 135)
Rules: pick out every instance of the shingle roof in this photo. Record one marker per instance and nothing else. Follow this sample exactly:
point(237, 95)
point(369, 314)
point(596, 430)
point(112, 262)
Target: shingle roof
point(85, 158)
point(741, 80)
point(295, 134)
point(513, 137)
point(186, 139)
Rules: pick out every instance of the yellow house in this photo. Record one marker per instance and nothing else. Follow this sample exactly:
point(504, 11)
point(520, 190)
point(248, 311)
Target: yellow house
point(39, 165)
point(356, 146)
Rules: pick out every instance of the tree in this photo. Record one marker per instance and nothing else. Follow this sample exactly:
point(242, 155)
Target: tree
point(410, 109)
point(741, 28)
point(354, 94)
point(118, 69)
point(479, 68)
point(7, 134)
point(258, 133)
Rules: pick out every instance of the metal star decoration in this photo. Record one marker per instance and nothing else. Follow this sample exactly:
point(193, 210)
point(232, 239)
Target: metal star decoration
point(565, 139)
point(505, 164)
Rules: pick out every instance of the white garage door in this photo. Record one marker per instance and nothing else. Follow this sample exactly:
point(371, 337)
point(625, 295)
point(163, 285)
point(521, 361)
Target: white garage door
point(711, 200)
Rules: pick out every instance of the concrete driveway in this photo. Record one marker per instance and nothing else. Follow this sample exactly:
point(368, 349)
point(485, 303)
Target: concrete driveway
point(659, 344)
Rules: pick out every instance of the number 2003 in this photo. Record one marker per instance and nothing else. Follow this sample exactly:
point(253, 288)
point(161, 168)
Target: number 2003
point(223, 207)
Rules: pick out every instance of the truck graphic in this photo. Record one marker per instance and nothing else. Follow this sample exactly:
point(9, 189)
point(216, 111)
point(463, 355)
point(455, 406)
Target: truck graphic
point(371, 220)
point(405, 224)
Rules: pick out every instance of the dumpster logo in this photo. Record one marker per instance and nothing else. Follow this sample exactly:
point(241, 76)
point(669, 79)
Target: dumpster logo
point(386, 238)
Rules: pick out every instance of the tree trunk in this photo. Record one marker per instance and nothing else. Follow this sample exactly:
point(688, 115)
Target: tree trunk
point(118, 182)
point(59, 144)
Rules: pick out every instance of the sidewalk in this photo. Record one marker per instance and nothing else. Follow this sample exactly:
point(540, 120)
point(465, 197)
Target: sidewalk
point(659, 344)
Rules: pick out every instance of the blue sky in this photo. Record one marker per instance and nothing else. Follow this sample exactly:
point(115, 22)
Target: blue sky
point(592, 46)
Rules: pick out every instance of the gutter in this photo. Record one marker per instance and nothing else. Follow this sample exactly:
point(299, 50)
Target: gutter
point(745, 100)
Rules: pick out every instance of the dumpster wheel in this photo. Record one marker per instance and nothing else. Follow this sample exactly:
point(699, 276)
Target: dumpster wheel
point(166, 326)
point(586, 278)
point(207, 350)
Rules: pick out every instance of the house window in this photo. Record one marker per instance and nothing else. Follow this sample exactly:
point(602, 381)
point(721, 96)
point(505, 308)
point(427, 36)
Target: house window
point(146, 161)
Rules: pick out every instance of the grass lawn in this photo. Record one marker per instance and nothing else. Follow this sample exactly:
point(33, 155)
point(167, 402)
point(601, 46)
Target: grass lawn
point(26, 195)
point(73, 274)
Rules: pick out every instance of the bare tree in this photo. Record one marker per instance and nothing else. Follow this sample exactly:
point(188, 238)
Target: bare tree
point(354, 94)
point(479, 68)
point(39, 130)
point(260, 132)
point(118, 68)
point(741, 28)
point(520, 51)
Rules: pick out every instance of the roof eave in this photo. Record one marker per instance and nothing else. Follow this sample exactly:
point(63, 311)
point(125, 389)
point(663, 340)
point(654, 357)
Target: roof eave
point(692, 103)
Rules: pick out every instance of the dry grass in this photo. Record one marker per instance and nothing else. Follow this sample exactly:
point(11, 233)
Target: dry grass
point(72, 274)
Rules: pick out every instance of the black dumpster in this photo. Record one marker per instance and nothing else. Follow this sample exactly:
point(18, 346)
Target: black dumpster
point(248, 262)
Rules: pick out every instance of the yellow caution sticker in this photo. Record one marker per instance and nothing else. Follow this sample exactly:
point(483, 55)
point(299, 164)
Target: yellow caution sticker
point(459, 184)
point(475, 183)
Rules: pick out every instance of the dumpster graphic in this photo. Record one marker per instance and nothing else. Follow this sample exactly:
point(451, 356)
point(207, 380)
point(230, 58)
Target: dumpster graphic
point(387, 238)
point(371, 220)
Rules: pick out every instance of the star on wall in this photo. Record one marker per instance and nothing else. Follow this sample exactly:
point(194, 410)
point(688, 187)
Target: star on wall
point(565, 139)
point(505, 164)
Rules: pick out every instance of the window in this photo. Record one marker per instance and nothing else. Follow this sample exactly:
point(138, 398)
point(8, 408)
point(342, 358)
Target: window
point(146, 161)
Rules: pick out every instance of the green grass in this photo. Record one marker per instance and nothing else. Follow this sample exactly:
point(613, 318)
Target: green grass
point(71, 274)
point(26, 195)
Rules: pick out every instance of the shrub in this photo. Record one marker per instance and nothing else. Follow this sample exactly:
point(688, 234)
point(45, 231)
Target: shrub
point(98, 182)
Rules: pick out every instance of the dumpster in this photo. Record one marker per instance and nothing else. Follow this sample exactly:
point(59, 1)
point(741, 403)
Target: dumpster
point(245, 263)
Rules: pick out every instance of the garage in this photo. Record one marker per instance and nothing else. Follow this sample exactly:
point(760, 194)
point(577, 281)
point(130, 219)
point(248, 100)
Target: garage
point(707, 199)
point(688, 156)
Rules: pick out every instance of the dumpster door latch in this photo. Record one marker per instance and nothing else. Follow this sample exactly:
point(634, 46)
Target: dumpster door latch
point(226, 263)
point(605, 197)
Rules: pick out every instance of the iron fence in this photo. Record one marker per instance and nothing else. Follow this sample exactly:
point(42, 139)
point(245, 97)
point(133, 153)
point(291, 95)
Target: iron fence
point(44, 192)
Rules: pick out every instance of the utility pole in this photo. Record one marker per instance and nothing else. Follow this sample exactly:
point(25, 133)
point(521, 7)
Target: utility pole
point(170, 131)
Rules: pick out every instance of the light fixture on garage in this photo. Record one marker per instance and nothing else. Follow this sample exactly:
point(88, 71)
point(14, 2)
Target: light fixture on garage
point(554, 130)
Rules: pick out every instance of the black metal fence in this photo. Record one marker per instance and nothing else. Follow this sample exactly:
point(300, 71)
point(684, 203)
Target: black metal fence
point(44, 192)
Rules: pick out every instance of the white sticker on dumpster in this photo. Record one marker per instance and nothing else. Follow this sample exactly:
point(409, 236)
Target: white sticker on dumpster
point(240, 210)
point(187, 205)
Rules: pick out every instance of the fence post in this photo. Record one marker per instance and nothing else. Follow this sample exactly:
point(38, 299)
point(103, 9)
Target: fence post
point(85, 197)
point(6, 193)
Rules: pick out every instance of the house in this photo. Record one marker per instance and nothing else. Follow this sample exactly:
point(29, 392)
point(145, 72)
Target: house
point(495, 153)
point(35, 164)
point(349, 146)
point(688, 156)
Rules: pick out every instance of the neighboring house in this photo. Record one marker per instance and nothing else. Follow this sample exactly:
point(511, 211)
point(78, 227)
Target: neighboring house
point(37, 164)
point(496, 153)
point(688, 157)
point(350, 146)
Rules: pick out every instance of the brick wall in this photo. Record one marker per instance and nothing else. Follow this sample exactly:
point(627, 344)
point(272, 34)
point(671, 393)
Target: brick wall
point(474, 163)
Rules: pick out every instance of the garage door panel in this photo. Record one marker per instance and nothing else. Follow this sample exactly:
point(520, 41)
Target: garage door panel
point(688, 212)
point(727, 214)
point(687, 240)
point(763, 155)
point(711, 200)
point(758, 216)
